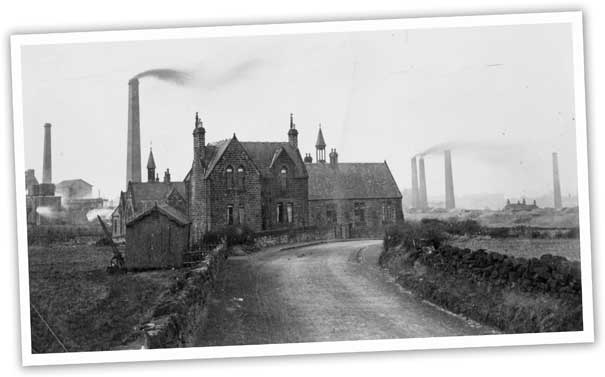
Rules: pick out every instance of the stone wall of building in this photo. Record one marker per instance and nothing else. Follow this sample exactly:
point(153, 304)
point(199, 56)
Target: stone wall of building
point(295, 194)
point(356, 217)
point(246, 198)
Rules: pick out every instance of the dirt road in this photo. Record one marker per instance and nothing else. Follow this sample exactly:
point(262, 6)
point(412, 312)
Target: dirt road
point(326, 292)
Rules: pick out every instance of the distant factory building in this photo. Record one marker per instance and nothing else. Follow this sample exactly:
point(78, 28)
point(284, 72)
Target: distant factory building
point(42, 205)
point(74, 189)
point(519, 206)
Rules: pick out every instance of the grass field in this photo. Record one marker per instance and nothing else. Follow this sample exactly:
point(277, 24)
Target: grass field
point(568, 248)
point(87, 308)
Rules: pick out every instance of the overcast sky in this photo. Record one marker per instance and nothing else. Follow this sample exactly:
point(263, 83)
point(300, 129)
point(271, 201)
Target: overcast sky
point(503, 96)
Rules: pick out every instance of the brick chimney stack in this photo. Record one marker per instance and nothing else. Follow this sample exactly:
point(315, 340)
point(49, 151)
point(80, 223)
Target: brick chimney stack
point(133, 147)
point(199, 138)
point(293, 133)
point(197, 203)
point(333, 158)
point(415, 202)
point(450, 201)
point(556, 182)
point(167, 176)
point(47, 164)
point(422, 196)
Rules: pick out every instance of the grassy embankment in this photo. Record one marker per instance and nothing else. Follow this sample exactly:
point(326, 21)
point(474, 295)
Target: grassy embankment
point(515, 294)
point(87, 308)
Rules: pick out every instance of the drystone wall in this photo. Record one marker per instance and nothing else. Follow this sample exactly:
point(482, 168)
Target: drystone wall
point(512, 294)
point(181, 312)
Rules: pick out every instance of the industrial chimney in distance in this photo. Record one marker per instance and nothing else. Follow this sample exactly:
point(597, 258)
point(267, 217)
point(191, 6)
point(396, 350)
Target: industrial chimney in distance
point(422, 196)
point(414, 184)
point(556, 182)
point(133, 147)
point(450, 202)
point(47, 164)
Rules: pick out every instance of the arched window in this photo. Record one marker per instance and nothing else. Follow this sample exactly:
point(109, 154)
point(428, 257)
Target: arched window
point(283, 178)
point(241, 174)
point(229, 176)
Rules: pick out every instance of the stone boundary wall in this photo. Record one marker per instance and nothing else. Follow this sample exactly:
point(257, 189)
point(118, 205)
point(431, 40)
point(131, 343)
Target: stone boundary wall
point(181, 312)
point(45, 234)
point(282, 237)
point(516, 295)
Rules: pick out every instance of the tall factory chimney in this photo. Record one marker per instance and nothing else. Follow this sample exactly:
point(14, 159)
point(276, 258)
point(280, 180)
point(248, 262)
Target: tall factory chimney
point(422, 197)
point(414, 183)
point(450, 202)
point(133, 148)
point(556, 182)
point(47, 164)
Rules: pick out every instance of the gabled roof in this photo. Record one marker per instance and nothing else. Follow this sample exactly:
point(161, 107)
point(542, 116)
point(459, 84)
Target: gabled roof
point(145, 193)
point(166, 210)
point(264, 153)
point(214, 153)
point(351, 181)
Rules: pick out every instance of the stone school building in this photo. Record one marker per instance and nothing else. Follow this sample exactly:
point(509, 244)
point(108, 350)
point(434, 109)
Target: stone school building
point(266, 186)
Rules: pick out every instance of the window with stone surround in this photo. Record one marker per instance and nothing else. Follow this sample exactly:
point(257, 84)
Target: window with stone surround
point(331, 213)
point(241, 175)
point(230, 215)
point(229, 177)
point(280, 212)
point(283, 178)
point(241, 214)
point(359, 211)
point(290, 212)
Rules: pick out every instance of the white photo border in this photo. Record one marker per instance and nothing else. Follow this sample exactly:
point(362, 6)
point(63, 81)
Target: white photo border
point(584, 336)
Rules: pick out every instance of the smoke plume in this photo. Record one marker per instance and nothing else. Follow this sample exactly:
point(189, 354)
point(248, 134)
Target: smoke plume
point(49, 212)
point(105, 214)
point(485, 147)
point(493, 152)
point(204, 76)
point(166, 74)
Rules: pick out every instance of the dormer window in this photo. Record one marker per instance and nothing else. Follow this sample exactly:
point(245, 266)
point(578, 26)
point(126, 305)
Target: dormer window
point(229, 177)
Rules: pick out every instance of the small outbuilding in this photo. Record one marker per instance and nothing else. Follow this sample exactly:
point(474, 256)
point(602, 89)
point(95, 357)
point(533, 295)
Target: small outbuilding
point(156, 238)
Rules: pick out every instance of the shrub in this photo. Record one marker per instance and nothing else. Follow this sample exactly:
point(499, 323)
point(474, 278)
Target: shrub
point(233, 235)
point(413, 234)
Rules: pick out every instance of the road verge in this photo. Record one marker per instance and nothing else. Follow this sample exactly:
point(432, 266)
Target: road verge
point(515, 295)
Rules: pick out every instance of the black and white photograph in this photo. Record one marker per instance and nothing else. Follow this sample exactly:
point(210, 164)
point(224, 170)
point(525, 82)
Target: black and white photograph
point(302, 188)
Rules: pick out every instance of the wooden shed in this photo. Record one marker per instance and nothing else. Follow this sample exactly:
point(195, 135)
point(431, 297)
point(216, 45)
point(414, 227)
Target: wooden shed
point(156, 238)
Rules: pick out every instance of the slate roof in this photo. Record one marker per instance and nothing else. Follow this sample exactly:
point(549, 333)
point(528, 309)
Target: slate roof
point(164, 209)
point(263, 153)
point(148, 193)
point(351, 181)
